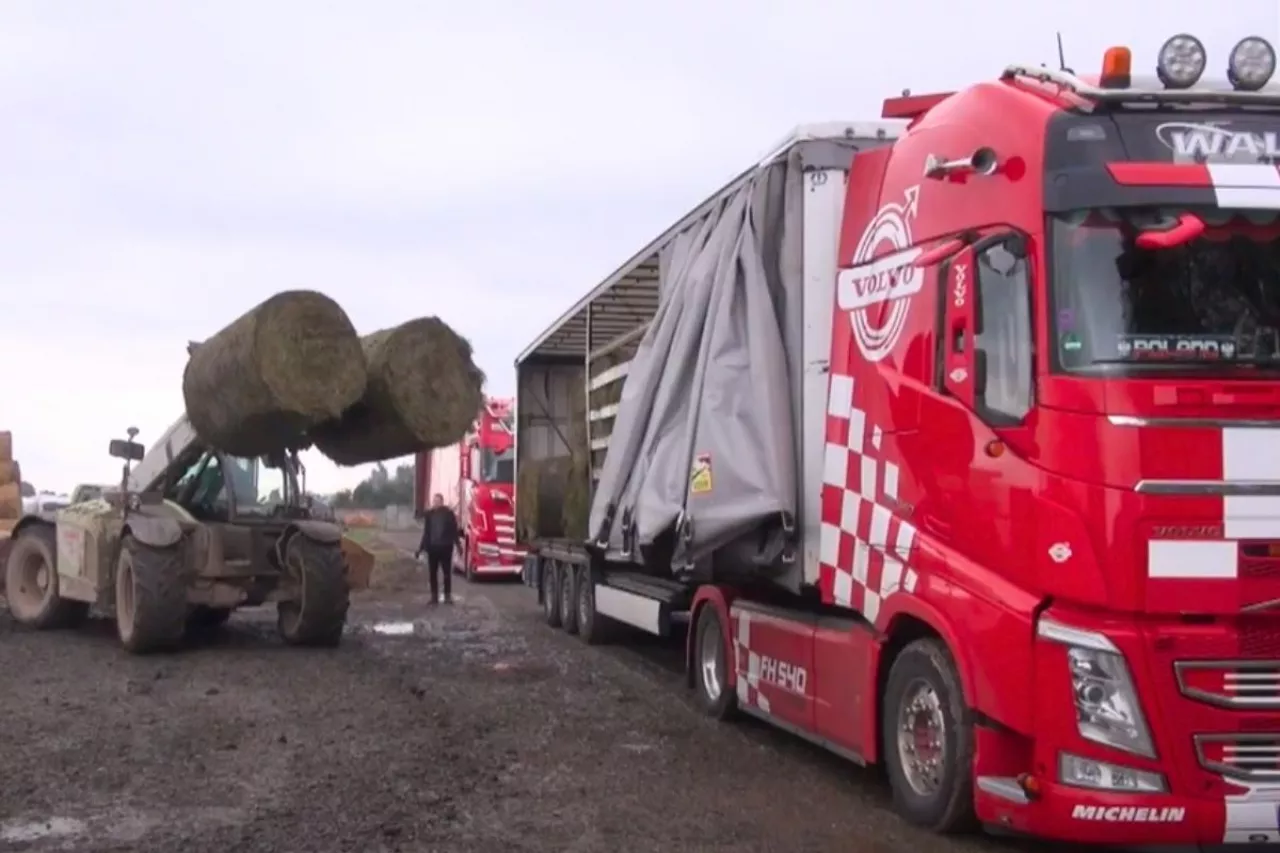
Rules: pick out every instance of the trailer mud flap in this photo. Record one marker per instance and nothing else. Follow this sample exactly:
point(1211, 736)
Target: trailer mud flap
point(639, 611)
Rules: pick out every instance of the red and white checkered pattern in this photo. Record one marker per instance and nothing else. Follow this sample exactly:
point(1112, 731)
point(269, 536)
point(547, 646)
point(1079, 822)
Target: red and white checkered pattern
point(865, 550)
point(747, 663)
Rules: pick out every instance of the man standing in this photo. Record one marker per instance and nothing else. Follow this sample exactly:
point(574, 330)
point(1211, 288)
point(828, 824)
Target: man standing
point(439, 535)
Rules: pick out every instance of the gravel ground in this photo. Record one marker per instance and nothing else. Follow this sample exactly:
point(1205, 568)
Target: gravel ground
point(464, 728)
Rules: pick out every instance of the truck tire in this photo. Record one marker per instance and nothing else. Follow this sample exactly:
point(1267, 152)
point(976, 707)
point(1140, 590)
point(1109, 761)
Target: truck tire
point(569, 598)
point(927, 739)
point(711, 658)
point(151, 597)
point(593, 628)
point(319, 615)
point(31, 583)
point(551, 592)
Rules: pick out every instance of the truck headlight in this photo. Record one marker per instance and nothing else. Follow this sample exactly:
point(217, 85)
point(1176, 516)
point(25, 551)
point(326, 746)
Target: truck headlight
point(1107, 707)
point(1101, 776)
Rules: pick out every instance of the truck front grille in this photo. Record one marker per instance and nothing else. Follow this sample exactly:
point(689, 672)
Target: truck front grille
point(1248, 757)
point(1246, 685)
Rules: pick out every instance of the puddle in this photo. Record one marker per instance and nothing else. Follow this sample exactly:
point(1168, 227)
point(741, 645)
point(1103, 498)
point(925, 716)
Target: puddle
point(394, 629)
point(34, 830)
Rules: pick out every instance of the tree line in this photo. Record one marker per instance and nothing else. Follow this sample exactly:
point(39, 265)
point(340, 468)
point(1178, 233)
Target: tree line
point(379, 490)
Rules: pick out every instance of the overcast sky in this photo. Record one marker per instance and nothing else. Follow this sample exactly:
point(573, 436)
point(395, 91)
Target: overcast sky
point(166, 165)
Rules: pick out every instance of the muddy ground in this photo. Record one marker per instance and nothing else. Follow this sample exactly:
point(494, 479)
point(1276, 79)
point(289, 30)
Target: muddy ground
point(470, 728)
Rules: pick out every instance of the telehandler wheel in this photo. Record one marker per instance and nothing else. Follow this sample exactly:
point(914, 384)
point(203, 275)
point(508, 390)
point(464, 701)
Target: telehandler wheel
point(927, 740)
point(552, 574)
point(318, 615)
point(151, 597)
point(31, 583)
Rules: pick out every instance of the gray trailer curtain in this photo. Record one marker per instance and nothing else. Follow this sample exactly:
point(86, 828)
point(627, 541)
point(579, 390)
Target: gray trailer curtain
point(705, 437)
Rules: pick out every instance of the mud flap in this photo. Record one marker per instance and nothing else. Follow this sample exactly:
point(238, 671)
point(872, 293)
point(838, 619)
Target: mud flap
point(154, 531)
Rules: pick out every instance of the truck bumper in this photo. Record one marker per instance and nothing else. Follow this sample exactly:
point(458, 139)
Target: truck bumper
point(1137, 821)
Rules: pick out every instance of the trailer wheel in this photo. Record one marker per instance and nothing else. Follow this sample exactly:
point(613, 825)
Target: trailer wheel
point(927, 741)
point(711, 666)
point(592, 627)
point(31, 583)
point(151, 597)
point(551, 592)
point(319, 614)
point(569, 598)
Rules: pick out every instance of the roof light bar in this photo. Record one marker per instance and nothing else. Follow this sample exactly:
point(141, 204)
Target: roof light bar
point(1252, 64)
point(1181, 62)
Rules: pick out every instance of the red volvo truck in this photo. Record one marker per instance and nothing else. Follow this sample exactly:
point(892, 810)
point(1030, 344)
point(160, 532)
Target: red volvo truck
point(954, 440)
point(476, 476)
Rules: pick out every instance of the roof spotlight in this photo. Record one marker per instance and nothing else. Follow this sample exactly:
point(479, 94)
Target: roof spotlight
point(1253, 61)
point(1182, 61)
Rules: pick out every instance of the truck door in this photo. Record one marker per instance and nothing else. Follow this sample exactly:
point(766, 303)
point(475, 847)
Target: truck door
point(985, 363)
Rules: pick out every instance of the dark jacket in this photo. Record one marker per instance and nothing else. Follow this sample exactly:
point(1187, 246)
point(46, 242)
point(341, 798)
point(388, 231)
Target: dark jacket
point(439, 530)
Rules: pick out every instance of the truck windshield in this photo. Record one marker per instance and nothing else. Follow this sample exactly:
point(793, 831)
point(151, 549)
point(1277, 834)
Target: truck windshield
point(498, 467)
point(1210, 304)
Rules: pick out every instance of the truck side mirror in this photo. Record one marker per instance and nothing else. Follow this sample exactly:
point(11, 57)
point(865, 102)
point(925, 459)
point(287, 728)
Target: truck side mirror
point(127, 450)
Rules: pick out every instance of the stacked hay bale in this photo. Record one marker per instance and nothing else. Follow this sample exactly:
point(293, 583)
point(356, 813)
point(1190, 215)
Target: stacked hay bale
point(10, 487)
point(423, 392)
point(279, 369)
point(577, 490)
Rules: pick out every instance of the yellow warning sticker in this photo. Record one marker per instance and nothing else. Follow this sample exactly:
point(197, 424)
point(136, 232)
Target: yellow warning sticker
point(700, 478)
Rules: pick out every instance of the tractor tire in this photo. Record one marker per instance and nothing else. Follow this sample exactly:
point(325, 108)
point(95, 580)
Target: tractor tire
point(319, 573)
point(924, 710)
point(31, 583)
point(552, 573)
point(151, 597)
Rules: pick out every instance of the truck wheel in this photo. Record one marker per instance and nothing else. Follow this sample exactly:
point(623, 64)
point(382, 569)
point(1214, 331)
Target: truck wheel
point(551, 592)
point(711, 667)
point(926, 740)
point(31, 583)
point(151, 597)
point(319, 613)
point(592, 627)
point(569, 598)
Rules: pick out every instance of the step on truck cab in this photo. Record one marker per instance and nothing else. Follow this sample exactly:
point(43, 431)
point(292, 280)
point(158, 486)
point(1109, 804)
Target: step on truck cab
point(955, 442)
point(476, 477)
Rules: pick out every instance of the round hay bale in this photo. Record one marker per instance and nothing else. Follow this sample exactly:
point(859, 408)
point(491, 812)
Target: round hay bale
point(424, 391)
point(577, 496)
point(279, 369)
point(10, 501)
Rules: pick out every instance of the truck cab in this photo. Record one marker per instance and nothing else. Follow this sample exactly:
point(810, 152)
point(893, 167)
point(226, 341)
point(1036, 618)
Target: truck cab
point(476, 477)
point(1011, 525)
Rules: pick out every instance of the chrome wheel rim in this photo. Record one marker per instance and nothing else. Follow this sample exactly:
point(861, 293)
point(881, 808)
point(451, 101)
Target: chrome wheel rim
point(711, 663)
point(922, 738)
